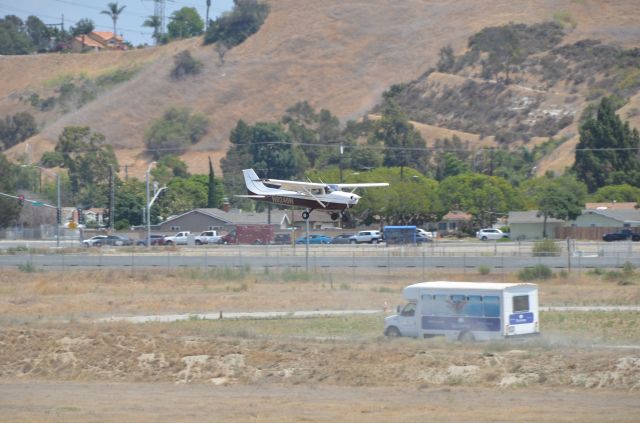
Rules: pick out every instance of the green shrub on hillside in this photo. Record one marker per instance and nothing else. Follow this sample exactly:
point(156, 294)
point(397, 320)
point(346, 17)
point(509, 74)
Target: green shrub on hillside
point(185, 64)
point(174, 131)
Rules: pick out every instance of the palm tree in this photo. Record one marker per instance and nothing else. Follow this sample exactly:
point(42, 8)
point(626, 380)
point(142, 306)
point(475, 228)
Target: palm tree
point(113, 11)
point(154, 22)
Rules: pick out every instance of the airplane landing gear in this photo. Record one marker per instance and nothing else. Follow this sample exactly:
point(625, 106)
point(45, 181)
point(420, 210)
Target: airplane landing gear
point(305, 215)
point(344, 216)
point(335, 216)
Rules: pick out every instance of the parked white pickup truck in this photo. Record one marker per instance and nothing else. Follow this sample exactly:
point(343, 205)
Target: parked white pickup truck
point(208, 237)
point(181, 238)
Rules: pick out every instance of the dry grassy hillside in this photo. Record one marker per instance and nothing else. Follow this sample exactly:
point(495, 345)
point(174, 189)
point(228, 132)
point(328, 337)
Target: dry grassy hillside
point(339, 55)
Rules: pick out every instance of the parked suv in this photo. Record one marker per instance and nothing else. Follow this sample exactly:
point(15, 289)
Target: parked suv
point(370, 237)
point(621, 235)
point(490, 233)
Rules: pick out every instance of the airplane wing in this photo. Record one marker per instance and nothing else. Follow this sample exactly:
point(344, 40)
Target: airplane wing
point(362, 185)
point(249, 196)
point(293, 185)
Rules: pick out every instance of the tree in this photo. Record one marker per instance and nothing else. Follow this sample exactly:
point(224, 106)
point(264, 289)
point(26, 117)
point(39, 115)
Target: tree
point(185, 23)
point(238, 157)
point(233, 28)
point(484, 197)
point(13, 39)
point(113, 11)
point(169, 167)
point(130, 202)
point(404, 145)
point(154, 22)
point(9, 207)
point(15, 129)
point(447, 59)
point(174, 131)
point(559, 198)
point(87, 159)
point(182, 195)
point(607, 151)
point(185, 64)
point(83, 26)
point(617, 193)
point(211, 193)
point(39, 33)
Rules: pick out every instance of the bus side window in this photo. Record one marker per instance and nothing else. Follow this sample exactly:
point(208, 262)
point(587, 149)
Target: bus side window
point(473, 306)
point(491, 306)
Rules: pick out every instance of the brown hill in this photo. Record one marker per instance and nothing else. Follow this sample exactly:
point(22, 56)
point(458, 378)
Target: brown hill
point(339, 55)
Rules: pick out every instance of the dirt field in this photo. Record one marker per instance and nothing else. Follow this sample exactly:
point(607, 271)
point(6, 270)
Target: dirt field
point(58, 364)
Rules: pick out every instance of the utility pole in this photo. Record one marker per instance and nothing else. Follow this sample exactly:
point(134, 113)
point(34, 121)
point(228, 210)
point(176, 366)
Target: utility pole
point(112, 198)
point(206, 23)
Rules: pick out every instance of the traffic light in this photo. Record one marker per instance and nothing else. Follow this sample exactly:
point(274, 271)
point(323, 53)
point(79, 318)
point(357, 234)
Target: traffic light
point(58, 215)
point(21, 200)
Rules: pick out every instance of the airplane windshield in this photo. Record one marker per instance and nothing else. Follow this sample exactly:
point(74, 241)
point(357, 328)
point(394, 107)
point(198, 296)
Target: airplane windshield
point(330, 188)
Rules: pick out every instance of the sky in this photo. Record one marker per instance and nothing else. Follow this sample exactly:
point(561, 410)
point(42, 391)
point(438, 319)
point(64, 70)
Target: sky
point(129, 23)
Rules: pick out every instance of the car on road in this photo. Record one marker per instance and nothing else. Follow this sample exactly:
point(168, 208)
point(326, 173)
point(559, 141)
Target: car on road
point(621, 235)
point(314, 239)
point(366, 237)
point(94, 241)
point(282, 239)
point(421, 238)
point(208, 237)
point(155, 240)
point(490, 234)
point(342, 239)
point(113, 240)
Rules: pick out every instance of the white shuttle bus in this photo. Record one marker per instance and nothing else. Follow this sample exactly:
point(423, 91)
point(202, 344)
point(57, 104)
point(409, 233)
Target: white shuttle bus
point(466, 311)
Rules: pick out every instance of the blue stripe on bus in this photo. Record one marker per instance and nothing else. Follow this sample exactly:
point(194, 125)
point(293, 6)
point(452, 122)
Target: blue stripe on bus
point(488, 324)
point(520, 318)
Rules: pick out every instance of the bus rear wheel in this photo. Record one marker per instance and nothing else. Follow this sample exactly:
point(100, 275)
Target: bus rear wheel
point(466, 336)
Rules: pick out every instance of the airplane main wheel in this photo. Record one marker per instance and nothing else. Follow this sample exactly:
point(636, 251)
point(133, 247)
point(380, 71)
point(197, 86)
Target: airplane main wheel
point(305, 215)
point(334, 216)
point(344, 217)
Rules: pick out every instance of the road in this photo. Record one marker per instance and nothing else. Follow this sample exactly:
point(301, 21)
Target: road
point(441, 254)
point(172, 259)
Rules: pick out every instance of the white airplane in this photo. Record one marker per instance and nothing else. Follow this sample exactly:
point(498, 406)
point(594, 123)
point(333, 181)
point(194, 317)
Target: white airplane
point(308, 195)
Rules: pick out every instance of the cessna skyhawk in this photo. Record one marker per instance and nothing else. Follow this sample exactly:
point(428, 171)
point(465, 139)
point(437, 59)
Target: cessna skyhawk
point(308, 195)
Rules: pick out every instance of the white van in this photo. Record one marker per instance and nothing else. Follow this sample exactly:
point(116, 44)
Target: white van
point(466, 311)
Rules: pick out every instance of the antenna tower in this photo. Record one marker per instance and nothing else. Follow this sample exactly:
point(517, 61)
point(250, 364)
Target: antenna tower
point(159, 12)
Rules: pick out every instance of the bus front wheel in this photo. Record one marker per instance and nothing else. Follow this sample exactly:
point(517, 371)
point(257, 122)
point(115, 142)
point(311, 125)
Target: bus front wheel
point(392, 332)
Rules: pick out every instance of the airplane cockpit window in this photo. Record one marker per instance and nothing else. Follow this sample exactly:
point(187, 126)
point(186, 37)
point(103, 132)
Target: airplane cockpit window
point(330, 188)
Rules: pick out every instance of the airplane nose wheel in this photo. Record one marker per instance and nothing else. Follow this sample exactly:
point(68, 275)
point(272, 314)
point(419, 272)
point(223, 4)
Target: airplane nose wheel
point(344, 216)
point(305, 215)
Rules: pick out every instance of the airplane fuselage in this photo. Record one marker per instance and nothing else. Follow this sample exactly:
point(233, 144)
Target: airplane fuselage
point(333, 201)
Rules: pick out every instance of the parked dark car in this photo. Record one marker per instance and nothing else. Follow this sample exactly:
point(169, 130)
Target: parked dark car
point(155, 240)
point(621, 235)
point(282, 239)
point(342, 239)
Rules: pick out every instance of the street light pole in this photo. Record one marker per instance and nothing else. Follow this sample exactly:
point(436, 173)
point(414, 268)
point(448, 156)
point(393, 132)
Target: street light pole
point(58, 210)
point(148, 207)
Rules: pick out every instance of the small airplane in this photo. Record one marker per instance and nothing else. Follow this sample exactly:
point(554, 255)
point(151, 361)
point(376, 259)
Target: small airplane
point(309, 195)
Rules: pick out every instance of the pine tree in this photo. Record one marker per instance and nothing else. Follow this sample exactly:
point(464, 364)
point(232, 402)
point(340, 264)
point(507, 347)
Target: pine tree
point(608, 150)
point(211, 198)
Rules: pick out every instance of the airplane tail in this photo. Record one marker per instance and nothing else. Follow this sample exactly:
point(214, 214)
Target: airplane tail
point(253, 183)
